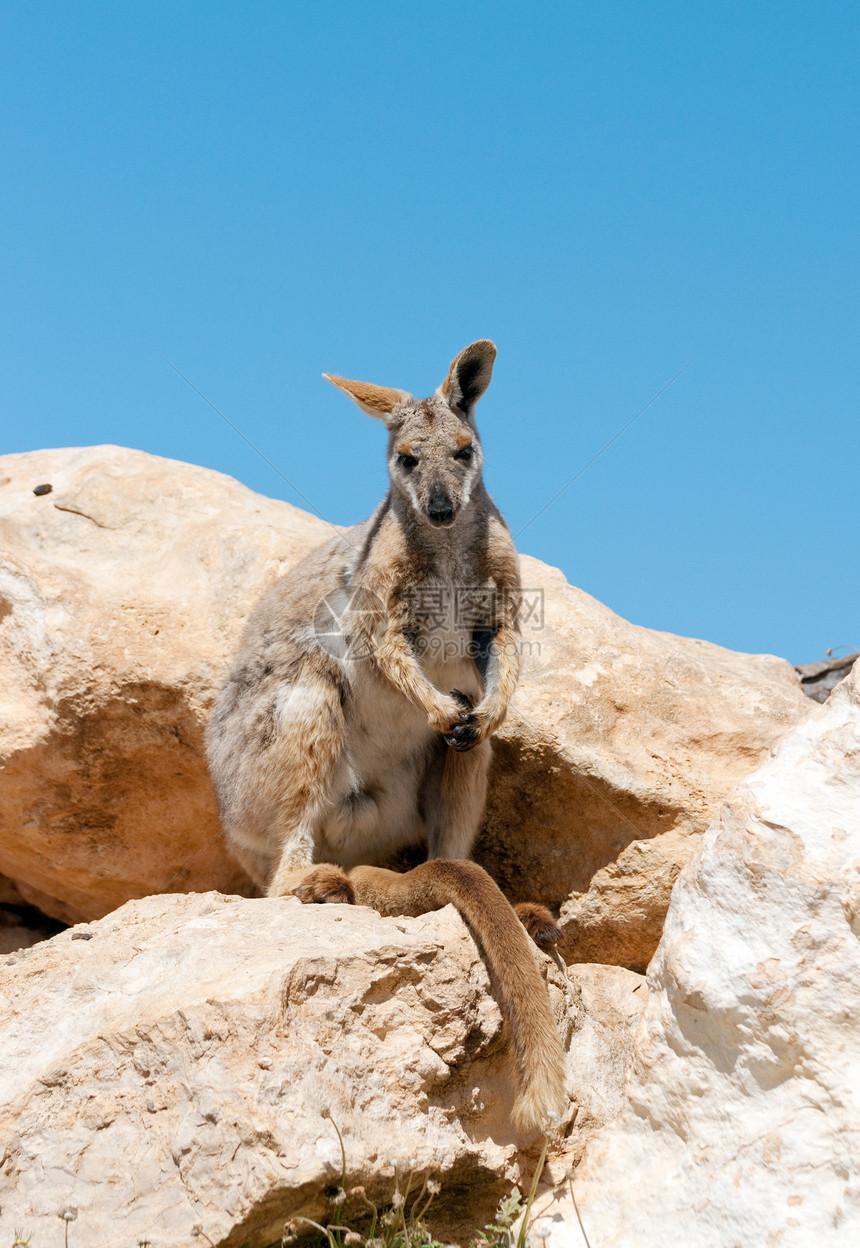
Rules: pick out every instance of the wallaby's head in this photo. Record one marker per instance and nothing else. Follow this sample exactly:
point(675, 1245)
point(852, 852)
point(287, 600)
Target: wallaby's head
point(434, 455)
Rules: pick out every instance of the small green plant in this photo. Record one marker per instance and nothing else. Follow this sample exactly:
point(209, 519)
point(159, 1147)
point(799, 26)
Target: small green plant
point(498, 1233)
point(400, 1224)
point(576, 1210)
point(527, 1212)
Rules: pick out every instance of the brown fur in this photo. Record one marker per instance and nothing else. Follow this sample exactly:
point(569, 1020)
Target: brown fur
point(539, 924)
point(381, 400)
point(517, 981)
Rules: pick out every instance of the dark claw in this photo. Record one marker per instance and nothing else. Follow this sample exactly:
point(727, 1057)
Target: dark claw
point(462, 736)
point(539, 924)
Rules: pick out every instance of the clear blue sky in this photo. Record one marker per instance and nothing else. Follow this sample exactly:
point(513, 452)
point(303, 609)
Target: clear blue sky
point(263, 191)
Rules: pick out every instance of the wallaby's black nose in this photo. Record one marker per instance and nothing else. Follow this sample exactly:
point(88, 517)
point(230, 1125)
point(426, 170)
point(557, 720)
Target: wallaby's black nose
point(440, 509)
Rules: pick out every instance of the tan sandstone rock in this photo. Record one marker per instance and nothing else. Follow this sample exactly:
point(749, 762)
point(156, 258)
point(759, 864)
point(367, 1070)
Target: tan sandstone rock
point(743, 1126)
point(122, 594)
point(172, 1066)
point(620, 748)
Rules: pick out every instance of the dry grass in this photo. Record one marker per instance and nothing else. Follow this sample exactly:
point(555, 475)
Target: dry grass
point(400, 1223)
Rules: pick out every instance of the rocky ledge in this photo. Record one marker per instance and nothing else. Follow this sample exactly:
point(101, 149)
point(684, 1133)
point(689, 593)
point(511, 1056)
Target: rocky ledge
point(187, 1063)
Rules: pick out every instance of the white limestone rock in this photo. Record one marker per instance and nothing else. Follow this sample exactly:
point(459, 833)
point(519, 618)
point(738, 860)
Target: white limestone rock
point(172, 1066)
point(743, 1123)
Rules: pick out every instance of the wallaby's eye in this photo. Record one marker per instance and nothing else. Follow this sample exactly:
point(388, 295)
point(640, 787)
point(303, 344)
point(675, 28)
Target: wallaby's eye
point(465, 453)
point(407, 462)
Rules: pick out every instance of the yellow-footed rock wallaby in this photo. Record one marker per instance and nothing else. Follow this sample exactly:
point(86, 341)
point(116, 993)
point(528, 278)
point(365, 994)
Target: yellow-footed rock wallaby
point(357, 715)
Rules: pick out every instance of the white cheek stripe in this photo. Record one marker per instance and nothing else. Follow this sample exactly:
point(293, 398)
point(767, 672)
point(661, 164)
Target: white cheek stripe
point(410, 490)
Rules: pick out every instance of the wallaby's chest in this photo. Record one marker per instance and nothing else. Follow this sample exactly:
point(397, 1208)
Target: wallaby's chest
point(443, 611)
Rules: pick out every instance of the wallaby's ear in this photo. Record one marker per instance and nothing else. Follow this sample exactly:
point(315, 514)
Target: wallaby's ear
point(378, 401)
point(469, 375)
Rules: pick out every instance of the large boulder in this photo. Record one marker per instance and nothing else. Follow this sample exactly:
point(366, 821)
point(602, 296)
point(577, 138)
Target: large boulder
point(122, 594)
point(178, 1071)
point(743, 1123)
point(621, 744)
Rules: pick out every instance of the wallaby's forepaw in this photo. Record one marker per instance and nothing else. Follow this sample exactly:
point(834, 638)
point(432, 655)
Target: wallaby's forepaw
point(539, 924)
point(465, 734)
point(462, 736)
point(463, 698)
point(325, 884)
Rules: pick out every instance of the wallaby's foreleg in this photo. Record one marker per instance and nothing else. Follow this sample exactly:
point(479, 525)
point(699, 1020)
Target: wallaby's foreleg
point(502, 666)
point(395, 658)
point(397, 663)
point(454, 801)
point(500, 681)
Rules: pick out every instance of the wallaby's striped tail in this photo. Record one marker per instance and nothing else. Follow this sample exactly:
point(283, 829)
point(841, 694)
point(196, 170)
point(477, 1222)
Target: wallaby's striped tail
point(522, 993)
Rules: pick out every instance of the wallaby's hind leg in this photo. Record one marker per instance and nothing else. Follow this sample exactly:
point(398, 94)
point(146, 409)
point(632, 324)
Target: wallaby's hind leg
point(294, 782)
point(323, 883)
point(539, 923)
point(297, 874)
point(455, 794)
point(256, 865)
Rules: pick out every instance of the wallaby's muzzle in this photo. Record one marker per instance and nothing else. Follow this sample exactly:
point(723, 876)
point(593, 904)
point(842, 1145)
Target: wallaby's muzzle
point(440, 509)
